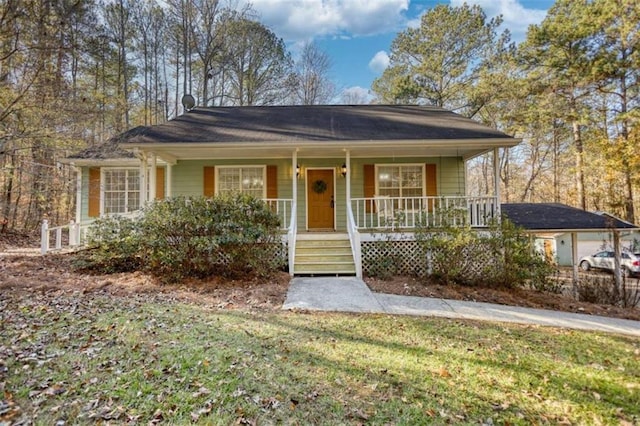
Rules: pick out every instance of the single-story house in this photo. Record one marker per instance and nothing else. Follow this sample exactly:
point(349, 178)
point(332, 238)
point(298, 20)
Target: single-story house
point(336, 175)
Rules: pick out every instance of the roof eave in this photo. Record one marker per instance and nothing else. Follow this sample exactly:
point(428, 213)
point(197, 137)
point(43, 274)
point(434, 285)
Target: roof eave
point(569, 230)
point(467, 143)
point(102, 162)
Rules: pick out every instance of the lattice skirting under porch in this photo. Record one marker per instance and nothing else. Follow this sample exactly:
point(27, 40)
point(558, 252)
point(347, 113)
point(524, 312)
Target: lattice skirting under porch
point(409, 258)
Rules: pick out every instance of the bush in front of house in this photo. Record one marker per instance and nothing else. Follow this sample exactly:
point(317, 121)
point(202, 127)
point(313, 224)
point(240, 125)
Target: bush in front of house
point(181, 237)
point(501, 256)
point(114, 245)
point(230, 236)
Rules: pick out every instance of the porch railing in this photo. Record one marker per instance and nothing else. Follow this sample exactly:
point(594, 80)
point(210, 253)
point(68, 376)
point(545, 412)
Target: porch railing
point(283, 208)
point(354, 238)
point(410, 212)
point(71, 235)
point(291, 236)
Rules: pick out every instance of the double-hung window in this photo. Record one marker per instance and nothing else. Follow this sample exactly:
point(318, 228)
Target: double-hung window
point(120, 190)
point(403, 180)
point(245, 179)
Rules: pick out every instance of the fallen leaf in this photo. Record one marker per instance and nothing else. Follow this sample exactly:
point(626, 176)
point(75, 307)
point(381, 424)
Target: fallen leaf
point(444, 372)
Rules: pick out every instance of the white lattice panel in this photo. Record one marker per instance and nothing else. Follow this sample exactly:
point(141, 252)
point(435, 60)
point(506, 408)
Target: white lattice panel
point(408, 258)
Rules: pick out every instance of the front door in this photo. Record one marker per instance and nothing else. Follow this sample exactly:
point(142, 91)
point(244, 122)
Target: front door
point(320, 202)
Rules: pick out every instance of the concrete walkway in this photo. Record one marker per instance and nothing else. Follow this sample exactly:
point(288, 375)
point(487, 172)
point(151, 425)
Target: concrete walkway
point(350, 294)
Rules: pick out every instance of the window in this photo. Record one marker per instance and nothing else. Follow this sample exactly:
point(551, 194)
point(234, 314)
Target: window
point(400, 180)
point(120, 190)
point(247, 180)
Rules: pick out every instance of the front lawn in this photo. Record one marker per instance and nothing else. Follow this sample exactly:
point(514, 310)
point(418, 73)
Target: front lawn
point(87, 358)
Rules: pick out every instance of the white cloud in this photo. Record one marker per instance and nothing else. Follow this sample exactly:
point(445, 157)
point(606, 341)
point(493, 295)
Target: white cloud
point(379, 62)
point(355, 95)
point(300, 19)
point(517, 18)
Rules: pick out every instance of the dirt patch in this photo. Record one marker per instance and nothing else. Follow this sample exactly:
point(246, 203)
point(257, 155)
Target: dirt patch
point(54, 273)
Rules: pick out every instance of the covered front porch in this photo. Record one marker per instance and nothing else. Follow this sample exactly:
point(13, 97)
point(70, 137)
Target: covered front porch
point(359, 201)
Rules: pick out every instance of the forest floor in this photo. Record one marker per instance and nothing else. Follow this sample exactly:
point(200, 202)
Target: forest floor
point(23, 269)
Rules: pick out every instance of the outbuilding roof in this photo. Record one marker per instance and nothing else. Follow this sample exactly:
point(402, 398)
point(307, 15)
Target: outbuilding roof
point(557, 217)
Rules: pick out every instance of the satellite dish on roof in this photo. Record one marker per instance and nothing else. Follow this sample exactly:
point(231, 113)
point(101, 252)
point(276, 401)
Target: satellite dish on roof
point(188, 102)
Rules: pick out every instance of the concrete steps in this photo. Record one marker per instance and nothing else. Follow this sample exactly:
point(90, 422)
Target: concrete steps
point(323, 254)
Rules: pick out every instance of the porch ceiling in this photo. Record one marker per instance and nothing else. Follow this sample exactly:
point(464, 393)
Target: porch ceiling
point(359, 149)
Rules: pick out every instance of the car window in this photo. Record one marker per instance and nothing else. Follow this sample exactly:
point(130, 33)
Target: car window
point(603, 254)
point(625, 256)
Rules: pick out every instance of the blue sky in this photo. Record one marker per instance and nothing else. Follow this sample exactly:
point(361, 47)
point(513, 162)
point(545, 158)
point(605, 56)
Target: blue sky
point(357, 34)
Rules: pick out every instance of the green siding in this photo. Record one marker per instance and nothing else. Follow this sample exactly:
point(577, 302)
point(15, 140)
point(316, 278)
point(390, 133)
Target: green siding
point(450, 173)
point(188, 179)
point(188, 176)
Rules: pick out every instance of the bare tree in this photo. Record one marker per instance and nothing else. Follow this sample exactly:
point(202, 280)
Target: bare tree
point(310, 82)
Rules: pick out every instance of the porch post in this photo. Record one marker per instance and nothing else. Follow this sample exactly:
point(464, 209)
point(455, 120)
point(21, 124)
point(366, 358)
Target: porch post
point(169, 186)
point(496, 179)
point(348, 183)
point(143, 179)
point(153, 177)
point(294, 178)
point(78, 171)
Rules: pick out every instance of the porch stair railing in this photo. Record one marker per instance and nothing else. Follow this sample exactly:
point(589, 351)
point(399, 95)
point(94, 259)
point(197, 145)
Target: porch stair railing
point(291, 238)
point(410, 212)
point(354, 238)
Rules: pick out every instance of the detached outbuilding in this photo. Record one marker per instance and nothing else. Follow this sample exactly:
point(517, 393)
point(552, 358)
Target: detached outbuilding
point(566, 233)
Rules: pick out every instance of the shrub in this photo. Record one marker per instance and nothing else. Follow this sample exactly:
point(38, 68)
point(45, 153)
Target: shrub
point(602, 289)
point(228, 236)
point(113, 245)
point(191, 237)
point(502, 256)
point(517, 263)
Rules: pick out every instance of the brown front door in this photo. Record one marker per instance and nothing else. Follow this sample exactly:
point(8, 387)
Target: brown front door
point(320, 202)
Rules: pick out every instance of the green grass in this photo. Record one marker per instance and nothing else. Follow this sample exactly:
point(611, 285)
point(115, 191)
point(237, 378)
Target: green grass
point(88, 359)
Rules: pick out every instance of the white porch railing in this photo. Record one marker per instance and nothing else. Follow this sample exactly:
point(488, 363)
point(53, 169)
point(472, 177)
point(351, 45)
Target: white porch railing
point(354, 238)
point(283, 208)
point(410, 212)
point(291, 235)
point(71, 235)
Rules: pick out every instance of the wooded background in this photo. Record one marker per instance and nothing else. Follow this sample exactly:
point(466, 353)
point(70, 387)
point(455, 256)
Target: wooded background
point(74, 73)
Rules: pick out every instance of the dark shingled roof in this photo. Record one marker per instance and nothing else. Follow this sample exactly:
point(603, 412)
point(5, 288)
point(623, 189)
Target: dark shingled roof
point(559, 217)
point(316, 123)
point(109, 149)
point(309, 123)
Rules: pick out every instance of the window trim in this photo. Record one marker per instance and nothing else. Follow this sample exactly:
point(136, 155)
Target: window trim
point(241, 166)
point(421, 165)
point(103, 171)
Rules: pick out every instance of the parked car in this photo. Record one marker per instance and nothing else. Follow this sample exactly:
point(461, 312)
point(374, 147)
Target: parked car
point(629, 262)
